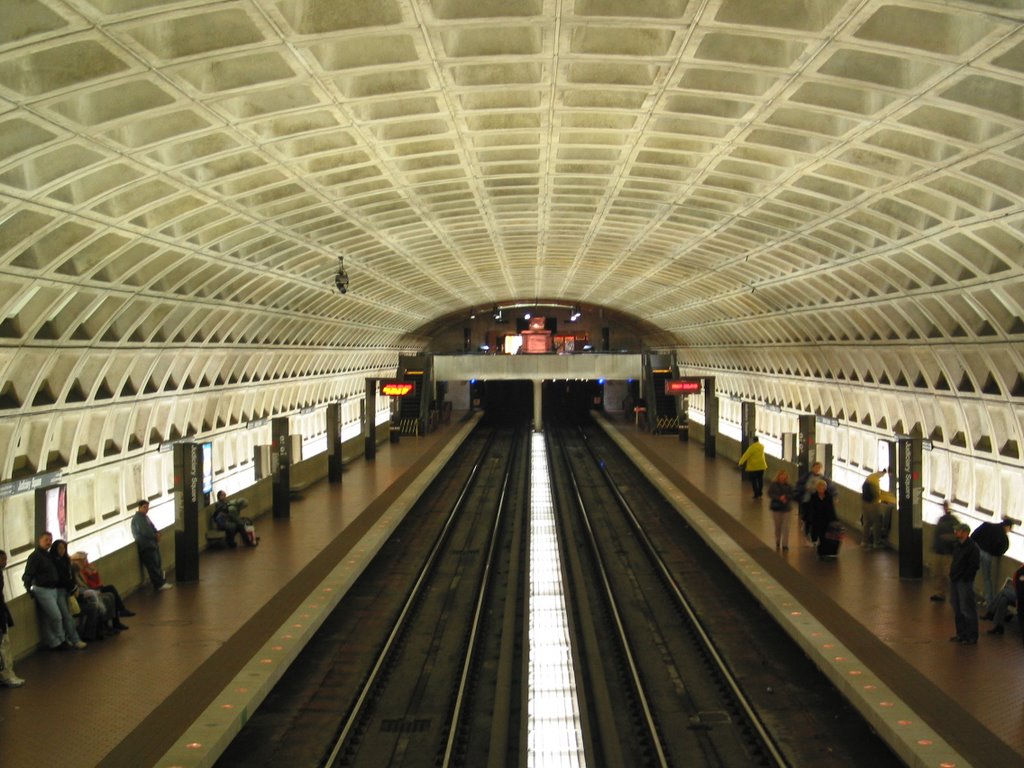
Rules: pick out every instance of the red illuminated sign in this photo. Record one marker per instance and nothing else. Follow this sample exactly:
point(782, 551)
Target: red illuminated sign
point(397, 388)
point(682, 387)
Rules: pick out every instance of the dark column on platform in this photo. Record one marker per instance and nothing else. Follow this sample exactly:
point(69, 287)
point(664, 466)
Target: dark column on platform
point(369, 427)
point(280, 466)
point(684, 419)
point(467, 340)
point(606, 343)
point(908, 482)
point(710, 417)
point(823, 453)
point(334, 462)
point(188, 476)
point(806, 443)
point(748, 424)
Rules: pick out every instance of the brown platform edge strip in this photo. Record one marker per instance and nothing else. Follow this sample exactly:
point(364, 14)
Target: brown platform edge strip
point(156, 734)
point(962, 729)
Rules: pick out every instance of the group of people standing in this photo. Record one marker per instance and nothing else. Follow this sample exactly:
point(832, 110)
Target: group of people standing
point(968, 553)
point(813, 494)
point(74, 604)
point(958, 553)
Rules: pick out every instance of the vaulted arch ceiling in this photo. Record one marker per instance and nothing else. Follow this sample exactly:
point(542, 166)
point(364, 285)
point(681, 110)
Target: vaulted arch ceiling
point(818, 189)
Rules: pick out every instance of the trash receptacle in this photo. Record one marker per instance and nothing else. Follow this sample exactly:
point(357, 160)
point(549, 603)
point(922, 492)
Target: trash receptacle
point(395, 434)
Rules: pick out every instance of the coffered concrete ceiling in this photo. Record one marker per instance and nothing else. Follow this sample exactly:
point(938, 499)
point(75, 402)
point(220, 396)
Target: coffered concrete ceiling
point(819, 189)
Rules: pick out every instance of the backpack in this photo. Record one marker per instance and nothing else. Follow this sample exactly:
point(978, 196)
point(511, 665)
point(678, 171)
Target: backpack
point(868, 492)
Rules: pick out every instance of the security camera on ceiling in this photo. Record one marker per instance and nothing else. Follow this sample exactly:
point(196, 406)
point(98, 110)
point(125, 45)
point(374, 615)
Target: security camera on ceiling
point(341, 279)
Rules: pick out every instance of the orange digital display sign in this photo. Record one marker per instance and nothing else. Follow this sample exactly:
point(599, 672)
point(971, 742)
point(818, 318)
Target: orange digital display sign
point(397, 388)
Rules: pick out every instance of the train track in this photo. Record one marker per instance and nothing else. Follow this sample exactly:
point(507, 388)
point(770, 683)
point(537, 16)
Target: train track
point(424, 664)
point(660, 693)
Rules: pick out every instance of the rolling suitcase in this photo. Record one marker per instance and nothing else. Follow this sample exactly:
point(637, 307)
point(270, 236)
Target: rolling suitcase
point(828, 547)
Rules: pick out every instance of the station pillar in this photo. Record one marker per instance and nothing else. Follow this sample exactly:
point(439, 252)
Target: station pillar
point(748, 424)
point(710, 417)
point(367, 418)
point(280, 466)
point(908, 482)
point(683, 410)
point(334, 458)
point(805, 443)
point(823, 453)
point(538, 406)
point(188, 475)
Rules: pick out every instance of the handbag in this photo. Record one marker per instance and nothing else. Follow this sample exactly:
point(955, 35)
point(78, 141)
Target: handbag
point(777, 505)
point(73, 605)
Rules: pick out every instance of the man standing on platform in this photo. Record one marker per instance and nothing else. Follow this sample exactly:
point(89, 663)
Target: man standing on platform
point(147, 539)
point(966, 561)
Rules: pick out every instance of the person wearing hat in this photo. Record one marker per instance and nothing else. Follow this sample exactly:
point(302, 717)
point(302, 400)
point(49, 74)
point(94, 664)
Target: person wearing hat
point(147, 540)
point(993, 539)
point(963, 569)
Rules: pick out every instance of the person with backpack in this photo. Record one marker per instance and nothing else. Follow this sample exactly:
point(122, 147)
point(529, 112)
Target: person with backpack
point(876, 510)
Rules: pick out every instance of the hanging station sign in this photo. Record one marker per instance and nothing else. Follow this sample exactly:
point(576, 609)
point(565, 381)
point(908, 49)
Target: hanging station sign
point(688, 386)
point(397, 388)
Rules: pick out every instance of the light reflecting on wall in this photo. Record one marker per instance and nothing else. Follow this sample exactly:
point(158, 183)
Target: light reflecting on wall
point(555, 738)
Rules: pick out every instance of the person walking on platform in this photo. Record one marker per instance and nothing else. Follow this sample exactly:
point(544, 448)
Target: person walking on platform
point(780, 495)
point(147, 539)
point(993, 539)
point(962, 570)
point(821, 513)
point(942, 552)
point(805, 489)
point(7, 676)
point(756, 465)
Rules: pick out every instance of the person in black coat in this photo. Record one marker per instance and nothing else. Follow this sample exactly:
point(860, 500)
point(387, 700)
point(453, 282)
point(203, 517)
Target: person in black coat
point(7, 676)
point(993, 539)
point(821, 513)
point(42, 582)
point(966, 561)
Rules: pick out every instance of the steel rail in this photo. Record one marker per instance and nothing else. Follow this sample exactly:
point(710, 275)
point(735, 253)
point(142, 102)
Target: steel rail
point(698, 627)
point(613, 607)
point(407, 607)
point(478, 612)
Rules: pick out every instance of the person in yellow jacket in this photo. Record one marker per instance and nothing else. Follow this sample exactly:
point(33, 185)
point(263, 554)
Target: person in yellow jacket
point(877, 507)
point(755, 463)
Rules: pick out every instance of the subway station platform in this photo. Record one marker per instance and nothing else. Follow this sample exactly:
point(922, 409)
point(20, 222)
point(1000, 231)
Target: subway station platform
point(173, 689)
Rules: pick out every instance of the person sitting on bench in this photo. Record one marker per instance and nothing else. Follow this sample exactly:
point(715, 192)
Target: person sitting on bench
point(227, 519)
